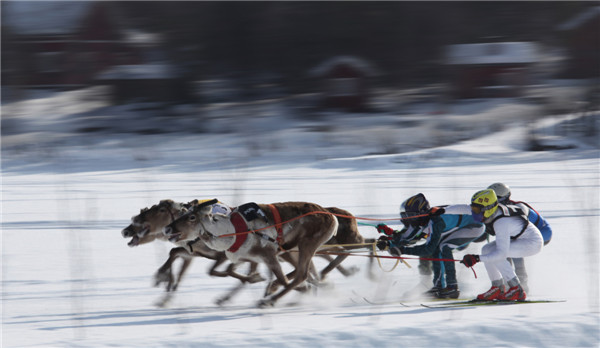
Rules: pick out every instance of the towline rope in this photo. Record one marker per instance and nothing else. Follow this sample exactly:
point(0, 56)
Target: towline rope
point(314, 213)
point(396, 257)
point(371, 245)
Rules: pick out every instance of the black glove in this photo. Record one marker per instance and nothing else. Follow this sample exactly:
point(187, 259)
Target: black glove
point(396, 250)
point(383, 243)
point(435, 211)
point(469, 260)
point(383, 228)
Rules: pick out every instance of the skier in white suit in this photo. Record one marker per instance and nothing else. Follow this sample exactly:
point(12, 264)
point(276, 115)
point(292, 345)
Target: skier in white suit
point(516, 237)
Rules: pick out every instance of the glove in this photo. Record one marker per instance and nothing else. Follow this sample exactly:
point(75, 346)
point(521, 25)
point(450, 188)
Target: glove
point(469, 260)
point(435, 211)
point(396, 251)
point(383, 243)
point(383, 228)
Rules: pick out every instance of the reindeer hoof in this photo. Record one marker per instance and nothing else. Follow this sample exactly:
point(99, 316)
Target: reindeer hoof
point(164, 301)
point(353, 270)
point(265, 303)
point(272, 287)
point(255, 278)
point(161, 277)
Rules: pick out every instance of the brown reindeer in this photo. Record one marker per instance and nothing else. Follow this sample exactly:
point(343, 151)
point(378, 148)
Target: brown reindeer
point(305, 232)
point(147, 226)
point(347, 238)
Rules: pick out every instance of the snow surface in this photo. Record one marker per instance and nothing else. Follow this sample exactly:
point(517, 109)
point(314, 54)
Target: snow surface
point(70, 280)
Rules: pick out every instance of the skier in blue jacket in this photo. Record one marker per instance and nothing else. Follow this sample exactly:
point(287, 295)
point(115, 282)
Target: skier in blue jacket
point(442, 233)
point(503, 193)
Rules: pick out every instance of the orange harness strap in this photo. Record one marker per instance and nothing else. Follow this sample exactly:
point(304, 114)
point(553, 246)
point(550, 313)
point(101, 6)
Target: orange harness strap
point(278, 224)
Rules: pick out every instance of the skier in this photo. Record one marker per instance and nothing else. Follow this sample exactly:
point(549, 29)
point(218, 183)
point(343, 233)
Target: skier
point(516, 237)
point(442, 233)
point(503, 193)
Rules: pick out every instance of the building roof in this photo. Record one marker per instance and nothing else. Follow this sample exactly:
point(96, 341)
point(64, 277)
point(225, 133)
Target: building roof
point(492, 53)
point(356, 62)
point(580, 19)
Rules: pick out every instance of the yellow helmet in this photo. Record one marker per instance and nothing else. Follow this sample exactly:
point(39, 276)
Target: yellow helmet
point(484, 204)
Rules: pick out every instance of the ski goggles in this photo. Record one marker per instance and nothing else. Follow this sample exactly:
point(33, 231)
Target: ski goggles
point(414, 219)
point(406, 217)
point(480, 209)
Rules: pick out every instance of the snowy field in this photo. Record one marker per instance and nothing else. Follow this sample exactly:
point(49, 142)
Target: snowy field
point(70, 280)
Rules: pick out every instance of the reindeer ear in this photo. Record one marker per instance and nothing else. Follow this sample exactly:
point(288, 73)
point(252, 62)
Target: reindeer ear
point(204, 207)
point(191, 204)
point(206, 210)
point(218, 216)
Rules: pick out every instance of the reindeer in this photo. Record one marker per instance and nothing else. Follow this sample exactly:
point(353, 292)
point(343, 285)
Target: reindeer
point(147, 226)
point(305, 232)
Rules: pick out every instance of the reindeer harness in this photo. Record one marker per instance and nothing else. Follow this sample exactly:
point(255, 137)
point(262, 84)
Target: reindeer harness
point(249, 212)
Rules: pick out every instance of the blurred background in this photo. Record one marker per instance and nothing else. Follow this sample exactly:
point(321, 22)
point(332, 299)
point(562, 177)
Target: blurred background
point(348, 78)
point(367, 57)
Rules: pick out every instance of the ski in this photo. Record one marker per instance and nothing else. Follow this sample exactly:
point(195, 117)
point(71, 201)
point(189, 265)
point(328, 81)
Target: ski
point(412, 304)
point(382, 303)
point(475, 302)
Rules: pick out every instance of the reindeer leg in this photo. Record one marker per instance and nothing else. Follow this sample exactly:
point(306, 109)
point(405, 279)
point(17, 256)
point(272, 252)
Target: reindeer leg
point(335, 263)
point(312, 278)
point(164, 273)
point(253, 277)
point(370, 273)
point(225, 298)
point(306, 251)
point(219, 260)
point(273, 264)
point(302, 271)
point(275, 284)
point(186, 263)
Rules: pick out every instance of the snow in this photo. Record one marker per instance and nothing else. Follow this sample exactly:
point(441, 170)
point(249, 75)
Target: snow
point(70, 280)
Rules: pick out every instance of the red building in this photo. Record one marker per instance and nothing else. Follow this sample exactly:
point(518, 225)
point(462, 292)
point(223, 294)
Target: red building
point(344, 83)
point(581, 37)
point(63, 44)
point(497, 69)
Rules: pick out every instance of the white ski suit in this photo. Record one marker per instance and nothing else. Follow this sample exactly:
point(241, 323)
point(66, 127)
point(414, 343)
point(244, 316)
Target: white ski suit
point(516, 237)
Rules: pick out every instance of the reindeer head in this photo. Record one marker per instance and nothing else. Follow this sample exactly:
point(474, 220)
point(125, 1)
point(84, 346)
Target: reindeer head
point(189, 225)
point(149, 223)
